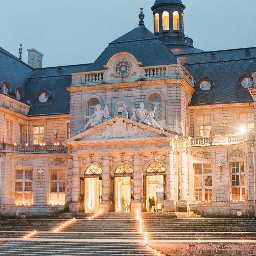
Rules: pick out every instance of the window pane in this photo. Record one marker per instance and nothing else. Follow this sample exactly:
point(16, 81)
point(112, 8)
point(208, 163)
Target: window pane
point(208, 181)
point(243, 194)
point(28, 175)
point(62, 186)
point(41, 129)
point(208, 195)
point(207, 168)
point(198, 195)
point(18, 198)
point(62, 198)
point(54, 175)
point(36, 139)
point(28, 198)
point(236, 194)
point(54, 187)
point(18, 186)
point(36, 130)
point(198, 181)
point(41, 138)
point(61, 174)
point(207, 130)
point(19, 175)
point(235, 180)
point(242, 180)
point(198, 169)
point(53, 198)
point(28, 186)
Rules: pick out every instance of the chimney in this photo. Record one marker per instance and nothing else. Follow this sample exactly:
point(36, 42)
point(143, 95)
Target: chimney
point(35, 58)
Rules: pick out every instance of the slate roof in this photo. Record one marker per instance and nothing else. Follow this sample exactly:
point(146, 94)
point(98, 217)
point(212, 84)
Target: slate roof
point(55, 80)
point(168, 2)
point(141, 43)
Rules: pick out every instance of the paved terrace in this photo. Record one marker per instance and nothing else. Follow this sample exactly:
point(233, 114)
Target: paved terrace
point(126, 234)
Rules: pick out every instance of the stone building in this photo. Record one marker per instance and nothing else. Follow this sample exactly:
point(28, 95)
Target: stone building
point(153, 124)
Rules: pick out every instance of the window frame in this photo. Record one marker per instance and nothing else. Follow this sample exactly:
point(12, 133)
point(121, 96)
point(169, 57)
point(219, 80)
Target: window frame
point(58, 192)
point(240, 186)
point(90, 108)
point(203, 188)
point(159, 111)
point(9, 130)
point(23, 190)
point(38, 134)
point(204, 126)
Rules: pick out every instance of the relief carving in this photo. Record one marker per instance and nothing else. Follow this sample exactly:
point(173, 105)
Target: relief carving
point(21, 163)
point(202, 155)
point(57, 162)
point(237, 153)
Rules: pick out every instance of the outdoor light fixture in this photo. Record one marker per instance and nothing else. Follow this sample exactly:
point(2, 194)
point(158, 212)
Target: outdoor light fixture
point(242, 129)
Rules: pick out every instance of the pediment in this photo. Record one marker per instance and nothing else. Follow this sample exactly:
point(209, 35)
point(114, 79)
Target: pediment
point(119, 128)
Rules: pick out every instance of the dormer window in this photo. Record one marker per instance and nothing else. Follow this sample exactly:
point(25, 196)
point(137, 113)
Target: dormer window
point(247, 82)
point(165, 20)
point(205, 86)
point(6, 88)
point(43, 96)
point(176, 20)
point(19, 94)
point(156, 23)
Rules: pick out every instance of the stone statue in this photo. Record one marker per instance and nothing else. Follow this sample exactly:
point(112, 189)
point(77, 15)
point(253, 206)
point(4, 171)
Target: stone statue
point(98, 117)
point(144, 116)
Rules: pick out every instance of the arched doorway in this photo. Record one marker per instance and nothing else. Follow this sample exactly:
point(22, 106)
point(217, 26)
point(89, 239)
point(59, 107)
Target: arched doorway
point(93, 188)
point(154, 187)
point(123, 188)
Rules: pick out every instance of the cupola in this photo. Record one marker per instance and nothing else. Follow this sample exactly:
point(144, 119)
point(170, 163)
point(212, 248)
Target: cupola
point(169, 24)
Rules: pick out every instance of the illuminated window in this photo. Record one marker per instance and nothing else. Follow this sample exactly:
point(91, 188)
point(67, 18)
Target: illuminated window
point(247, 82)
point(91, 106)
point(38, 135)
point(23, 187)
point(165, 20)
point(204, 125)
point(237, 181)
point(155, 102)
point(9, 130)
point(203, 182)
point(176, 20)
point(68, 131)
point(124, 168)
point(205, 85)
point(156, 22)
point(156, 167)
point(57, 187)
point(93, 169)
point(247, 121)
point(22, 134)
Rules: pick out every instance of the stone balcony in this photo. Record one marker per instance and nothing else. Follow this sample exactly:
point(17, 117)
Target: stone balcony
point(33, 149)
point(175, 71)
point(221, 140)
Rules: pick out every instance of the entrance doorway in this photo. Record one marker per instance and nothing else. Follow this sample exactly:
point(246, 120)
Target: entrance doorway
point(92, 188)
point(123, 192)
point(154, 187)
point(93, 194)
point(155, 193)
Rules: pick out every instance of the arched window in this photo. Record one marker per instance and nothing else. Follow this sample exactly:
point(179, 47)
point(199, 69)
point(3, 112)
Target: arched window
point(176, 20)
point(43, 96)
point(124, 168)
point(205, 85)
point(19, 94)
point(155, 167)
point(156, 23)
point(155, 102)
point(93, 169)
point(165, 20)
point(91, 106)
point(6, 88)
point(247, 82)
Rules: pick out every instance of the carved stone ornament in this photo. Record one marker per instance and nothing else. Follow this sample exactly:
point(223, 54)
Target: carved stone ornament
point(237, 153)
point(22, 163)
point(121, 110)
point(202, 155)
point(120, 129)
point(57, 161)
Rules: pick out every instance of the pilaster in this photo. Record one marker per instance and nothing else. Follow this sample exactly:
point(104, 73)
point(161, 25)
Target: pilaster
point(105, 204)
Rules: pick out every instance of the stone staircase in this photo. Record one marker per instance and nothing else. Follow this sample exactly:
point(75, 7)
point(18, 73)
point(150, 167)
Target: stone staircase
point(118, 234)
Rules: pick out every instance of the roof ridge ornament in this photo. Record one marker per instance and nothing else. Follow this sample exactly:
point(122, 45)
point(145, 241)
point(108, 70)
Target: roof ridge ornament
point(141, 16)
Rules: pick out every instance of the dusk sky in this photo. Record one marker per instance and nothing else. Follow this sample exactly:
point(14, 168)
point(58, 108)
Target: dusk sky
point(75, 32)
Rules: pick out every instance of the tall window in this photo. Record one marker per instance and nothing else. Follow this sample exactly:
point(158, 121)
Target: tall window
point(91, 106)
point(165, 20)
point(23, 187)
point(9, 130)
point(203, 182)
point(237, 181)
point(22, 134)
point(155, 102)
point(57, 187)
point(204, 125)
point(247, 121)
point(68, 131)
point(176, 20)
point(156, 23)
point(38, 135)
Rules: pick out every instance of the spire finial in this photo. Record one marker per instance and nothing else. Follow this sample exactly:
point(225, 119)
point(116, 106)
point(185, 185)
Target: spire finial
point(141, 16)
point(20, 52)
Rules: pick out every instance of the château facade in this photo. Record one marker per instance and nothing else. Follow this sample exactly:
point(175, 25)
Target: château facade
point(153, 118)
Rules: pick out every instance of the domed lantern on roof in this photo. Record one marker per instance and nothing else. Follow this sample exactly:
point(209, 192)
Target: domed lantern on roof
point(169, 24)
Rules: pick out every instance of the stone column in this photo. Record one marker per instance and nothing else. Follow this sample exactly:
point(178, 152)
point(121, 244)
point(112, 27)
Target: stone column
point(170, 203)
point(74, 205)
point(183, 180)
point(136, 204)
point(104, 205)
point(1, 180)
point(161, 22)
